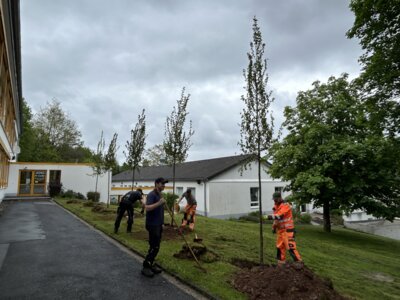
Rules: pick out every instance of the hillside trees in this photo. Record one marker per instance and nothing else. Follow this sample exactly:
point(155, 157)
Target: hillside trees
point(257, 125)
point(51, 136)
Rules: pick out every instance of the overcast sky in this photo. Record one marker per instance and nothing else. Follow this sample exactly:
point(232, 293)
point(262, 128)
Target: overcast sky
point(105, 61)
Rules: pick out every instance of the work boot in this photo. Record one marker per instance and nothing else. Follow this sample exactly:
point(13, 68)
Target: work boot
point(155, 269)
point(146, 271)
point(115, 230)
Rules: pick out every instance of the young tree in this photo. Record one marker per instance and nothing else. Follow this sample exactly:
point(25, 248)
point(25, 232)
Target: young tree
point(98, 162)
point(135, 147)
point(257, 125)
point(110, 161)
point(331, 156)
point(155, 156)
point(177, 141)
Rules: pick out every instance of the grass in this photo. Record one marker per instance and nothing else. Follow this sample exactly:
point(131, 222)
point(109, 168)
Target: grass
point(360, 265)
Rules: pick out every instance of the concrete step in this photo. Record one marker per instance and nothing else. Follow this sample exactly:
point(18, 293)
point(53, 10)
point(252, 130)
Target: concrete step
point(26, 198)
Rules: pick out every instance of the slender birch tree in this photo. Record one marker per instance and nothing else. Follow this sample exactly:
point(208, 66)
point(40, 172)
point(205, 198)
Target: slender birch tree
point(135, 147)
point(257, 125)
point(110, 161)
point(177, 141)
point(98, 162)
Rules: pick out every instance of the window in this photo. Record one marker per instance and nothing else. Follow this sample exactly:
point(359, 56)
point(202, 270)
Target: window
point(55, 176)
point(279, 189)
point(179, 191)
point(254, 197)
point(303, 208)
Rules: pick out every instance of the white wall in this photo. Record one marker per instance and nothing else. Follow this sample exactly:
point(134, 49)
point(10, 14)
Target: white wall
point(76, 177)
point(229, 193)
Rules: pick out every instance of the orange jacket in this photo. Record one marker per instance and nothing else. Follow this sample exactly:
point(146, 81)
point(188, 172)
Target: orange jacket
point(283, 214)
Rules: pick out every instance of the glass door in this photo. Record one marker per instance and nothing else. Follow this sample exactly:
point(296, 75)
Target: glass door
point(25, 181)
point(32, 182)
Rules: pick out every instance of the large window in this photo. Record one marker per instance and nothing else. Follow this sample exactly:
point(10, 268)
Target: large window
point(179, 190)
point(279, 189)
point(4, 167)
point(254, 197)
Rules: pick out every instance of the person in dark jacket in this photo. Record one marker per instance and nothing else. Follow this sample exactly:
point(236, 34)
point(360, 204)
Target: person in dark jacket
point(154, 207)
point(126, 204)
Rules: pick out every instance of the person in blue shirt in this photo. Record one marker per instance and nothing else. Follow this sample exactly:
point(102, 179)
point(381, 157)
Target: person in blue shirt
point(154, 207)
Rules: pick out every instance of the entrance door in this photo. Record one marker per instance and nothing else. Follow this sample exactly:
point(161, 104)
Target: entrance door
point(32, 182)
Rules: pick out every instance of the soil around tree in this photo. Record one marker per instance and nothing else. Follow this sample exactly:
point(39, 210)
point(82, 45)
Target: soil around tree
point(288, 281)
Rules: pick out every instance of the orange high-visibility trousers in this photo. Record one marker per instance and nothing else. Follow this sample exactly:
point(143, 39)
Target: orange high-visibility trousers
point(189, 216)
point(285, 242)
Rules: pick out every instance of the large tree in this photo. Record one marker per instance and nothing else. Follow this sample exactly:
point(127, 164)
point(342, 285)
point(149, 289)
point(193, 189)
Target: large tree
point(377, 25)
point(135, 146)
point(177, 141)
point(333, 158)
point(36, 145)
point(257, 126)
point(155, 156)
point(55, 125)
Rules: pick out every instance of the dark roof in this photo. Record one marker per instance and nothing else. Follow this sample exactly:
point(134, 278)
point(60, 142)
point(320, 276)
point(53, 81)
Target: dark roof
point(188, 171)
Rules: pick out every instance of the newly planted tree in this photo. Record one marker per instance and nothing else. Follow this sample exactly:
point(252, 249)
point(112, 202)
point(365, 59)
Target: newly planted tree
point(135, 147)
point(177, 141)
point(110, 161)
point(98, 162)
point(257, 125)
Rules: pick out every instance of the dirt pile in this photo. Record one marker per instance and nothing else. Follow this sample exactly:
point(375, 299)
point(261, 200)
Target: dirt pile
point(201, 252)
point(289, 281)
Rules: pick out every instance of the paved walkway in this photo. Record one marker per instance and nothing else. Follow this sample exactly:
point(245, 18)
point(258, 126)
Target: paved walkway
point(47, 253)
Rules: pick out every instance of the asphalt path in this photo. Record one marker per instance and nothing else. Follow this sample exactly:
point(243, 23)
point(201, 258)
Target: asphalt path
point(47, 253)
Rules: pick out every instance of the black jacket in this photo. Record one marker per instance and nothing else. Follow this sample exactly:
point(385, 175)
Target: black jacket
point(131, 197)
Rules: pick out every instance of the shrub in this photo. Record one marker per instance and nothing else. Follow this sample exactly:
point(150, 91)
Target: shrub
point(54, 189)
point(68, 194)
point(336, 217)
point(89, 203)
point(94, 196)
point(304, 219)
point(170, 198)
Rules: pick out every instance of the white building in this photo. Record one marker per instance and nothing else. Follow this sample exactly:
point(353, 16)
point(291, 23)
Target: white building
point(32, 179)
point(221, 190)
point(10, 88)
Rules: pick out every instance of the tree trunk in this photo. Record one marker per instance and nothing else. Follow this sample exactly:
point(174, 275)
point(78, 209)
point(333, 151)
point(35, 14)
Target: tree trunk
point(260, 209)
point(327, 216)
point(108, 188)
point(95, 190)
point(133, 178)
point(173, 191)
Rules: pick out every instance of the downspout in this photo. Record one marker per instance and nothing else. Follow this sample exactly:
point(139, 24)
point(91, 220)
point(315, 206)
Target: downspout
point(205, 196)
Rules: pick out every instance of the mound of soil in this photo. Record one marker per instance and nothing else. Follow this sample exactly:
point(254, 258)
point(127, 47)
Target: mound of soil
point(289, 281)
point(201, 252)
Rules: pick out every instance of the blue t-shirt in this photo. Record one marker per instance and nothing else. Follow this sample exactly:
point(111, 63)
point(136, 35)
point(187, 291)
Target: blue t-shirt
point(155, 216)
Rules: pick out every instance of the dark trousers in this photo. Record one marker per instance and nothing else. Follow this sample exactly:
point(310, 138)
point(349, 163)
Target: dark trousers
point(128, 207)
point(155, 232)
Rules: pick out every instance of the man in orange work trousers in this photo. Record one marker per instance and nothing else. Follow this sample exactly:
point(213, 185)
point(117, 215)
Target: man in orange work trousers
point(284, 225)
point(189, 217)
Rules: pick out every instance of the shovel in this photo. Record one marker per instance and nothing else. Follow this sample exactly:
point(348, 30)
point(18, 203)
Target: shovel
point(197, 239)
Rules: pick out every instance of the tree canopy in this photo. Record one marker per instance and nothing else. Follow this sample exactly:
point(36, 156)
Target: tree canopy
point(333, 158)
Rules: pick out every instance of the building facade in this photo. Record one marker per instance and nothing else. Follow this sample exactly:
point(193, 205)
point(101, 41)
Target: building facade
point(10, 88)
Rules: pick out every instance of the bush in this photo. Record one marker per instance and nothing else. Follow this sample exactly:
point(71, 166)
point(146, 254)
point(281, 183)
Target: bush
point(170, 198)
point(54, 189)
point(336, 217)
point(304, 219)
point(89, 203)
point(73, 195)
point(94, 196)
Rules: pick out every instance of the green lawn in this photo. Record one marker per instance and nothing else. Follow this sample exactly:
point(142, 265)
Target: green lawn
point(360, 265)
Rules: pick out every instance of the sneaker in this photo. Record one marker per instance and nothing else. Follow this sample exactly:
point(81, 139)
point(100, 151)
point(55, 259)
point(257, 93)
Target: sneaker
point(155, 269)
point(147, 272)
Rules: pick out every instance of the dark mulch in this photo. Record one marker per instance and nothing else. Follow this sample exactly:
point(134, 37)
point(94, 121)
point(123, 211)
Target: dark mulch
point(200, 251)
point(289, 281)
